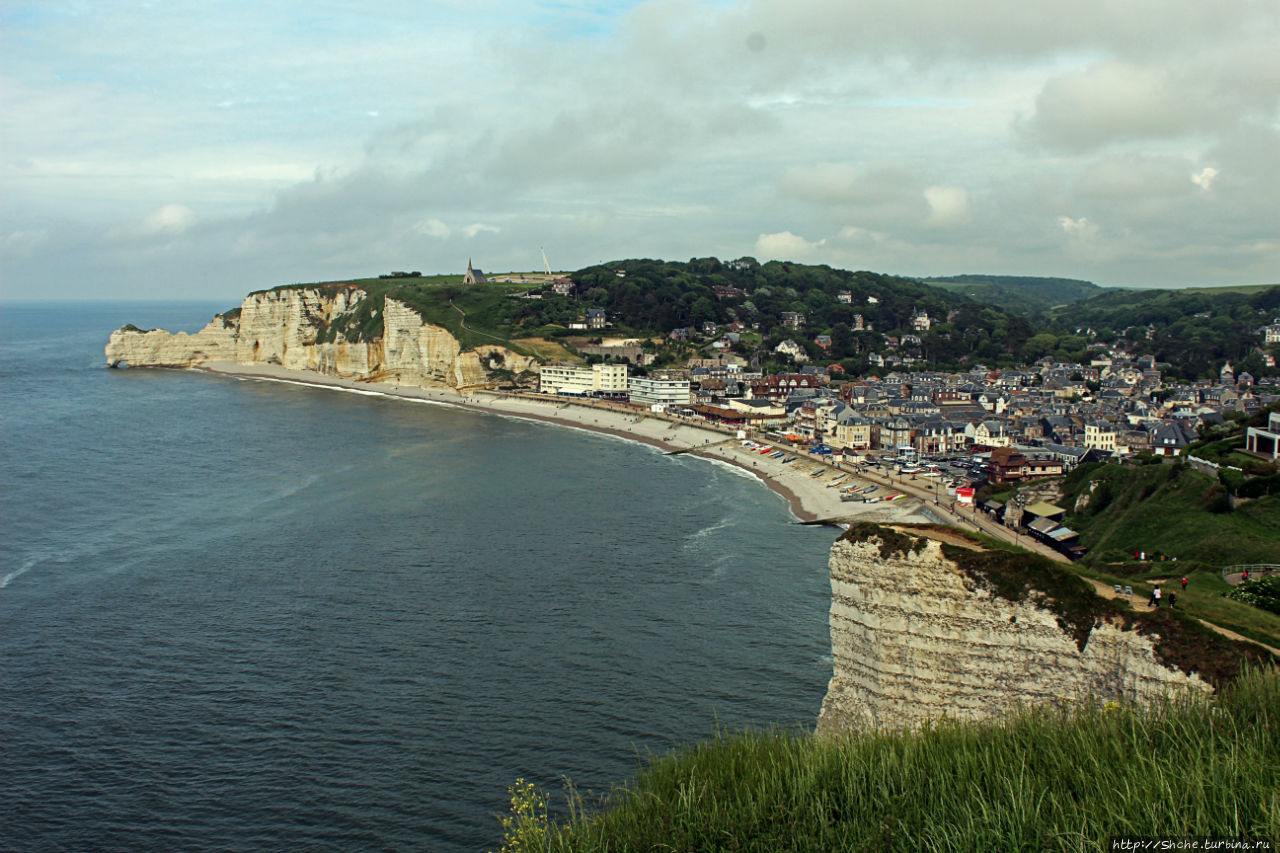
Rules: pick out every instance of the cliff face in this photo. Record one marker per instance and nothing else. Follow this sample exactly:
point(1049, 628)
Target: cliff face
point(916, 638)
point(282, 327)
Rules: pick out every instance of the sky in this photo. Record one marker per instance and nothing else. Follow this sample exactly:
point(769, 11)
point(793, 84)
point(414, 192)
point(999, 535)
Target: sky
point(186, 149)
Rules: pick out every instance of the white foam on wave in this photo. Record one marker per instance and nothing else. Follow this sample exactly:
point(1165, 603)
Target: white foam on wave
point(711, 528)
point(363, 392)
point(26, 566)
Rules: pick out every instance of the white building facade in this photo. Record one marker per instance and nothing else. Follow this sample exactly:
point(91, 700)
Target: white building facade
point(575, 380)
point(659, 393)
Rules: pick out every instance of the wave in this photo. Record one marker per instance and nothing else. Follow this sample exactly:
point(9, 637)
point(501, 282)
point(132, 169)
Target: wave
point(712, 528)
point(27, 564)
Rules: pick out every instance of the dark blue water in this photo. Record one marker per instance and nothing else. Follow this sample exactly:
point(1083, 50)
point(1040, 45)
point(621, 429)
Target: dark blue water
point(240, 615)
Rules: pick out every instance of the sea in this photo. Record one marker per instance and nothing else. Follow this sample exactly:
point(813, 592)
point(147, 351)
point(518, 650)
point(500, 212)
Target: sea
point(248, 615)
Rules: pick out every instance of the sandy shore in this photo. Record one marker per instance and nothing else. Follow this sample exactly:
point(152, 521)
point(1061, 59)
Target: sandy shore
point(806, 483)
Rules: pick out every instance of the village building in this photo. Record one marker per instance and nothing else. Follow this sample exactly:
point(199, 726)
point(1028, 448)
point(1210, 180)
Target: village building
point(473, 275)
point(1265, 442)
point(575, 380)
point(659, 394)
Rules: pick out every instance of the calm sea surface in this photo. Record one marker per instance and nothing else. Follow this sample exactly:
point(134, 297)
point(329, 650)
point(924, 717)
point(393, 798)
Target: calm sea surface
point(240, 615)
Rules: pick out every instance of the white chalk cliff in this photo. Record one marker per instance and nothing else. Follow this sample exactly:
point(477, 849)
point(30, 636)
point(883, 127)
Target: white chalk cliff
point(915, 638)
point(284, 327)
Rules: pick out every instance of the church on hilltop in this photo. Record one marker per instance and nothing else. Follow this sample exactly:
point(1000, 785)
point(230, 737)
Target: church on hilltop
point(473, 276)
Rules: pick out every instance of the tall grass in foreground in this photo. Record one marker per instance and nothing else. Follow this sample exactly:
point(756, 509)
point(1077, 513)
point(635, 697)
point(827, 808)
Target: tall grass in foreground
point(1059, 778)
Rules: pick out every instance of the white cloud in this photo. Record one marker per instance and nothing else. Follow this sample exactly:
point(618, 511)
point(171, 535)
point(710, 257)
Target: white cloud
point(1205, 177)
point(948, 206)
point(170, 219)
point(23, 242)
point(1080, 228)
point(479, 228)
point(433, 228)
point(785, 246)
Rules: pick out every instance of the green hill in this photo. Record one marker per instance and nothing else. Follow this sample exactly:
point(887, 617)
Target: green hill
point(1167, 510)
point(650, 298)
point(1194, 329)
point(1020, 293)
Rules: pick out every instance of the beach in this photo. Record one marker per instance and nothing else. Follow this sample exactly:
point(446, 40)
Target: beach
point(810, 485)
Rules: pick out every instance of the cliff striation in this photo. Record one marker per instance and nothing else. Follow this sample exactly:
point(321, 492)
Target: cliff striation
point(926, 625)
point(296, 329)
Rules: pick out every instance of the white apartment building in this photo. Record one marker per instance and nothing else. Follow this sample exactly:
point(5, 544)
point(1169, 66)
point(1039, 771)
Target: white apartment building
point(1265, 442)
point(1100, 435)
point(575, 380)
point(659, 393)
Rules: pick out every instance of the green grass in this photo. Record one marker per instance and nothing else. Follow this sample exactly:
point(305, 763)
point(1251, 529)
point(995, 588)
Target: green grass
point(1230, 288)
point(1167, 510)
point(1054, 778)
point(483, 305)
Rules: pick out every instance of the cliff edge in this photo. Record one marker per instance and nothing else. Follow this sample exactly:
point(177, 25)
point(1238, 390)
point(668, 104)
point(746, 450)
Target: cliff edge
point(300, 329)
point(927, 624)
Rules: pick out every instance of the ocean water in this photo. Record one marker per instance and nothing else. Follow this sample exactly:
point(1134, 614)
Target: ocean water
point(243, 615)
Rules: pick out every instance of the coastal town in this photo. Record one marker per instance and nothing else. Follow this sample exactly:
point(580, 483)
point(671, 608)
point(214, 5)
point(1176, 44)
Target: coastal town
point(919, 403)
point(964, 430)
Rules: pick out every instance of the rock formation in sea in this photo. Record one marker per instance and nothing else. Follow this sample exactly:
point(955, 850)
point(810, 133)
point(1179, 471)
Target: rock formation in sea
point(927, 625)
point(296, 328)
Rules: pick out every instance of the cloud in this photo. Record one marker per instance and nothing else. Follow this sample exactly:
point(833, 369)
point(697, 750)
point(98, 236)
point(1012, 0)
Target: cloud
point(879, 134)
point(1205, 177)
point(1081, 229)
point(479, 228)
point(433, 228)
point(785, 246)
point(948, 206)
point(1117, 100)
point(170, 219)
point(23, 242)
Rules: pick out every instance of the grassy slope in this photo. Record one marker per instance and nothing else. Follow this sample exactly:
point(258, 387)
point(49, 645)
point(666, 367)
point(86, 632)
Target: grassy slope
point(1232, 288)
point(1204, 598)
point(1162, 509)
point(1051, 779)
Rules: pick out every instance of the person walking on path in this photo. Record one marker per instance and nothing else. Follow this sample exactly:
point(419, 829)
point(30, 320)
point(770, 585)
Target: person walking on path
point(1173, 600)
point(1155, 598)
point(1184, 584)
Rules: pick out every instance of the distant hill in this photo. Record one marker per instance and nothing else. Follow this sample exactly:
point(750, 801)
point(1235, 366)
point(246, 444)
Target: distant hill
point(1196, 329)
point(1022, 294)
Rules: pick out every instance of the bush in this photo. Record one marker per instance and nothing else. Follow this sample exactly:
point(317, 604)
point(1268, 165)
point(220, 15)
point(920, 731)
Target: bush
point(1259, 487)
point(1262, 592)
point(1216, 499)
point(1233, 480)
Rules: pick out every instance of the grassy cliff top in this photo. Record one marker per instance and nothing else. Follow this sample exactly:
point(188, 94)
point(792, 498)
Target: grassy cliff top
point(475, 314)
point(1066, 778)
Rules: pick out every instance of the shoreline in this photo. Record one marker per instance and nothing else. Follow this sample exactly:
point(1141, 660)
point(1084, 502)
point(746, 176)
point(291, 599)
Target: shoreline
point(811, 497)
